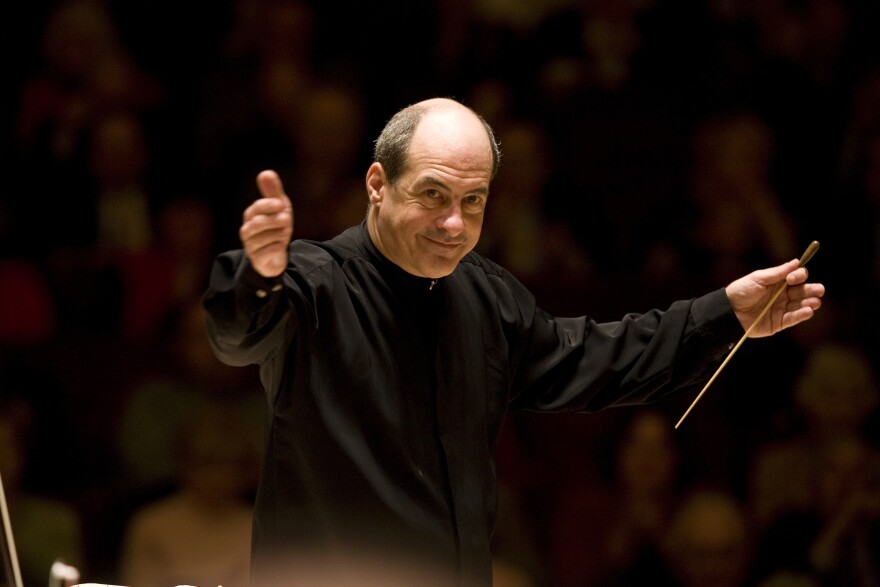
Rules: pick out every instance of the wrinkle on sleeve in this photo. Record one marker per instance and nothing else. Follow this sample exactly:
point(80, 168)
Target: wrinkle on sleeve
point(577, 364)
point(248, 315)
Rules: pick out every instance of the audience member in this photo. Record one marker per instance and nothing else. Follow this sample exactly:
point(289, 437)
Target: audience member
point(814, 493)
point(159, 280)
point(846, 550)
point(257, 90)
point(162, 402)
point(734, 217)
point(614, 532)
point(118, 160)
point(328, 138)
point(836, 539)
point(738, 218)
point(835, 395)
point(541, 251)
point(44, 527)
point(708, 542)
point(114, 217)
point(84, 72)
point(200, 533)
point(810, 56)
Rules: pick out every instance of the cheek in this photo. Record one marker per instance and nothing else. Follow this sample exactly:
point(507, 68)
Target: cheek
point(402, 228)
point(414, 219)
point(475, 226)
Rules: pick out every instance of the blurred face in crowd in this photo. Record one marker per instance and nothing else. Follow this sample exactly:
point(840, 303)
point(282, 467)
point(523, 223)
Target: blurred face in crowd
point(432, 215)
point(707, 542)
point(647, 458)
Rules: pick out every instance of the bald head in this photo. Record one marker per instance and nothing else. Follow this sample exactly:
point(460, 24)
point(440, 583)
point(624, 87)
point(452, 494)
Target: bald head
point(429, 185)
point(443, 115)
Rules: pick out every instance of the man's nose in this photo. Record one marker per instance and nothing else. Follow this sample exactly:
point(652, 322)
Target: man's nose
point(451, 220)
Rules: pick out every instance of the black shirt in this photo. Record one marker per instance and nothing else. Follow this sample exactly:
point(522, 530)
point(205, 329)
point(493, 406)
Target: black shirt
point(387, 391)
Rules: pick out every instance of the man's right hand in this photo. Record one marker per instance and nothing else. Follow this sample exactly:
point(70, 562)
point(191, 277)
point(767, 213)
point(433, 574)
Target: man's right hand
point(267, 226)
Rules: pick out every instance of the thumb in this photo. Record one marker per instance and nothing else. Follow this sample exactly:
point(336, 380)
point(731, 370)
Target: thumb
point(270, 184)
point(773, 275)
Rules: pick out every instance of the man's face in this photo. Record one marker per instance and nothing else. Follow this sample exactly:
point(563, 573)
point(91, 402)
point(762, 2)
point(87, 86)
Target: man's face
point(433, 215)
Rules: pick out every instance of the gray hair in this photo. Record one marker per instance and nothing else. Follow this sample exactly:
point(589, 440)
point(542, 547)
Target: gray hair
point(392, 146)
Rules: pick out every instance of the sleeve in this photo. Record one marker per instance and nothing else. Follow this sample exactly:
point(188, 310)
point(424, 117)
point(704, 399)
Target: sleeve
point(576, 364)
point(248, 317)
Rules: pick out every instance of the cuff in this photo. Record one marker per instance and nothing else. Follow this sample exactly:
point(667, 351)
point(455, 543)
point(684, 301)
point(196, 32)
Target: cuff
point(251, 281)
point(716, 321)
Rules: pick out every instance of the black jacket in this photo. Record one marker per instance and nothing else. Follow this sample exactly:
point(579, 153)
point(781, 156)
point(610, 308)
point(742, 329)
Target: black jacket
point(387, 391)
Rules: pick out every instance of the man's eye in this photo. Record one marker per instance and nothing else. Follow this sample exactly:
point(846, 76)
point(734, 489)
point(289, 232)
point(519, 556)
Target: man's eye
point(432, 193)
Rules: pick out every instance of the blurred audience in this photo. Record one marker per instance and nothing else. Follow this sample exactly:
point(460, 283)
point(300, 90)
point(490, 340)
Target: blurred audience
point(835, 395)
point(709, 542)
point(85, 72)
point(789, 579)
point(738, 221)
point(118, 159)
point(612, 533)
point(846, 550)
point(257, 89)
point(651, 150)
point(516, 559)
point(161, 279)
point(27, 308)
point(331, 150)
point(520, 233)
point(835, 540)
point(162, 401)
point(814, 493)
point(44, 527)
point(200, 533)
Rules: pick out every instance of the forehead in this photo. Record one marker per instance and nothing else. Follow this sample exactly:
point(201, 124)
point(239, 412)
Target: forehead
point(454, 138)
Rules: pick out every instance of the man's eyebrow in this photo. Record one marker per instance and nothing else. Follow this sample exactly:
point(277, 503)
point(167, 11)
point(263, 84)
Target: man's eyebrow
point(430, 180)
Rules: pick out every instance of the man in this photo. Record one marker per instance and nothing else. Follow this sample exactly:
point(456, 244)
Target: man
point(391, 353)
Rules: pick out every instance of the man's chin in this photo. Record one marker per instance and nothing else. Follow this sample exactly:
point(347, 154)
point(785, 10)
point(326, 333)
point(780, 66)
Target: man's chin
point(438, 271)
point(434, 266)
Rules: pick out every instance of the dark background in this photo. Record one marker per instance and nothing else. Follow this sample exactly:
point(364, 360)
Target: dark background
point(621, 94)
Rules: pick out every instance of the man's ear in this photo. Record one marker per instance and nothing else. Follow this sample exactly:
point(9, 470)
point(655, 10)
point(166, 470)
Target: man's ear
point(376, 181)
